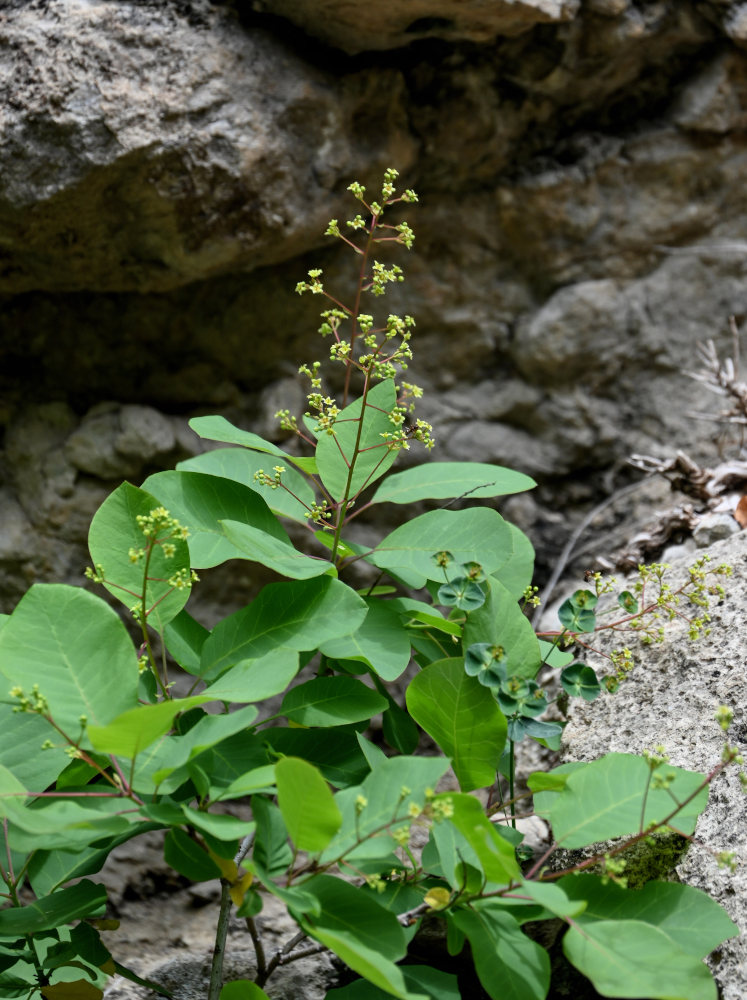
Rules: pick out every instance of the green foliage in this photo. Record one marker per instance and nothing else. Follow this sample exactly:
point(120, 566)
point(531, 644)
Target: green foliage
point(97, 750)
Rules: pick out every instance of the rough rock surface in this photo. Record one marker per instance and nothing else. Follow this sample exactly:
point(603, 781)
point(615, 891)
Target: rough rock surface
point(167, 170)
point(360, 27)
point(670, 699)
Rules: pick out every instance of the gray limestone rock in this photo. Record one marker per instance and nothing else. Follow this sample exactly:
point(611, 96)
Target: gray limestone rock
point(669, 699)
point(389, 24)
point(143, 148)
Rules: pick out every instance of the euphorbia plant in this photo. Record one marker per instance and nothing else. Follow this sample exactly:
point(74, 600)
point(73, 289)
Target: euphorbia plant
point(96, 749)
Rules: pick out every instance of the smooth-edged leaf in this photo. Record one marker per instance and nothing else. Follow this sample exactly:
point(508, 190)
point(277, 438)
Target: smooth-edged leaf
point(48, 870)
point(545, 781)
point(694, 921)
point(202, 502)
point(164, 763)
point(510, 965)
point(417, 614)
point(501, 621)
point(461, 593)
point(335, 452)
point(436, 984)
point(445, 480)
point(335, 751)
point(605, 799)
point(298, 614)
point(242, 989)
point(137, 728)
point(477, 534)
point(22, 750)
point(576, 617)
point(551, 896)
point(114, 532)
point(188, 858)
point(580, 681)
point(373, 754)
point(76, 648)
point(462, 717)
point(240, 465)
point(380, 641)
point(217, 428)
point(258, 779)
point(250, 542)
point(306, 803)
point(255, 680)
point(368, 938)
point(630, 958)
point(382, 791)
point(549, 733)
point(331, 701)
point(184, 638)
point(61, 824)
point(271, 850)
point(85, 899)
point(628, 601)
point(494, 853)
point(516, 574)
point(554, 655)
point(399, 730)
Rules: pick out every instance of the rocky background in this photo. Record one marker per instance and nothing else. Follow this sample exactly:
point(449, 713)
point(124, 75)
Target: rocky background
point(168, 167)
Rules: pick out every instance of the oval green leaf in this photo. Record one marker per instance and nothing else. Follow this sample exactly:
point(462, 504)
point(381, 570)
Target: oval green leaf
point(307, 805)
point(462, 717)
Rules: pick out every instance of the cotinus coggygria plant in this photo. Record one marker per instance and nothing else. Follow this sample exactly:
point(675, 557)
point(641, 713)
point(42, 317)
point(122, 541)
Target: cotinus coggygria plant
point(96, 749)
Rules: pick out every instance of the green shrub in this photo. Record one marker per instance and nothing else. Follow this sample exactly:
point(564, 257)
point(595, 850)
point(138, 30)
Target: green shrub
point(96, 750)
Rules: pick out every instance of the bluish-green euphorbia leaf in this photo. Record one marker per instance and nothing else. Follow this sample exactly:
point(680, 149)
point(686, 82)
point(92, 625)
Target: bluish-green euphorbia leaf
point(580, 681)
point(605, 799)
point(462, 717)
point(335, 452)
point(501, 622)
point(445, 480)
point(76, 648)
point(461, 593)
point(114, 532)
point(477, 534)
point(577, 613)
point(299, 615)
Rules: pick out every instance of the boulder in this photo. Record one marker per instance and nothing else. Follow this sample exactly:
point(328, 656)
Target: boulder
point(669, 699)
point(359, 27)
point(147, 145)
